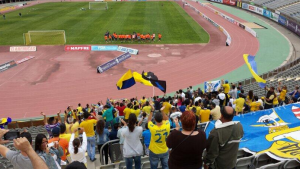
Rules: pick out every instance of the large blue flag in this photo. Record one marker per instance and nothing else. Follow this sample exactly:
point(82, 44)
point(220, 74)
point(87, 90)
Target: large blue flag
point(273, 131)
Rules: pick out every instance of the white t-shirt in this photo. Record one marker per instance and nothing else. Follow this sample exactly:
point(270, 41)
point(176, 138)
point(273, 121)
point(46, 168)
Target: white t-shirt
point(197, 99)
point(132, 144)
point(80, 156)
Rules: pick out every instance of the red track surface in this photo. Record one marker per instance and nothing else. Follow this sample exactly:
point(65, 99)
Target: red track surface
point(56, 79)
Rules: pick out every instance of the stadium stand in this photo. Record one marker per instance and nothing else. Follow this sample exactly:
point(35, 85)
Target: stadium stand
point(287, 7)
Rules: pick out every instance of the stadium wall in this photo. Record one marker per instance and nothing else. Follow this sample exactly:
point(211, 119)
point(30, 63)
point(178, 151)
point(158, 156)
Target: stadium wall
point(274, 15)
point(228, 37)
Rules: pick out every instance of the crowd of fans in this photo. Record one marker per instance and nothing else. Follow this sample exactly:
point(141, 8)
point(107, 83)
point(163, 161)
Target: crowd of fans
point(168, 126)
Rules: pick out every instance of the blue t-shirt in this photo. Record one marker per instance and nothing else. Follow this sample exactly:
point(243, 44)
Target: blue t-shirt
point(182, 108)
point(147, 137)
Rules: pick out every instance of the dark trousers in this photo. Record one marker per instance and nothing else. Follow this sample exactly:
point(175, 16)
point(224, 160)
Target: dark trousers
point(105, 148)
point(267, 106)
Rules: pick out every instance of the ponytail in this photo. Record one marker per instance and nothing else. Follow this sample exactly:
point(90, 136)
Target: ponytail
point(76, 144)
point(131, 122)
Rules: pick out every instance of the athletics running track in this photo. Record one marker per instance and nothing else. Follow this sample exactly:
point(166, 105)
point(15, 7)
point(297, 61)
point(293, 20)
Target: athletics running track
point(56, 79)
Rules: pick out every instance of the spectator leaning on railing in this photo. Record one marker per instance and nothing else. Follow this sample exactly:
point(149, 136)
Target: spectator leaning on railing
point(26, 158)
point(102, 134)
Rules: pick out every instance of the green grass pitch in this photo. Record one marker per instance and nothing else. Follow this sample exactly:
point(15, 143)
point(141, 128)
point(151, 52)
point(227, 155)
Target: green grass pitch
point(88, 26)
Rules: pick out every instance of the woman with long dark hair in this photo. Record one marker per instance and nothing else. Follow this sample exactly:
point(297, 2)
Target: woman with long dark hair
point(132, 149)
point(76, 148)
point(48, 153)
point(102, 135)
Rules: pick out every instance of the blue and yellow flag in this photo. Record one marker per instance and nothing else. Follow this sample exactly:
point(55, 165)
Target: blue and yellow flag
point(126, 81)
point(250, 61)
point(138, 78)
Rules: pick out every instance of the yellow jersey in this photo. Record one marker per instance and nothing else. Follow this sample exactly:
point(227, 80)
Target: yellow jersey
point(239, 104)
point(88, 126)
point(254, 106)
point(147, 109)
point(126, 112)
point(275, 101)
point(204, 115)
point(282, 95)
point(65, 136)
point(143, 101)
point(226, 88)
point(167, 108)
point(136, 112)
point(159, 136)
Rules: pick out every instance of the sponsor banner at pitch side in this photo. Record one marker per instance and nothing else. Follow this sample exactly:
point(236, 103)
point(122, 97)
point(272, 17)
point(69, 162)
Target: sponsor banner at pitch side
point(22, 49)
point(24, 59)
point(130, 50)
point(7, 65)
point(104, 67)
point(105, 48)
point(77, 48)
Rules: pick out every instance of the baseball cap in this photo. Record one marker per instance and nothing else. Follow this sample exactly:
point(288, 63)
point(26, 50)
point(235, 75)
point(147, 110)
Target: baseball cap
point(226, 81)
point(55, 131)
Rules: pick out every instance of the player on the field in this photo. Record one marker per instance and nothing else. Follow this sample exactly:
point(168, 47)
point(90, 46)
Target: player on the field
point(159, 36)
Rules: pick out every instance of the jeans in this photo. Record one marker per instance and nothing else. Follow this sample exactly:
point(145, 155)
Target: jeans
point(154, 160)
point(137, 162)
point(111, 123)
point(91, 145)
point(105, 148)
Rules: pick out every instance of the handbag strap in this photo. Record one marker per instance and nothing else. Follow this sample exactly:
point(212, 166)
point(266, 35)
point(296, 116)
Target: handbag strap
point(182, 141)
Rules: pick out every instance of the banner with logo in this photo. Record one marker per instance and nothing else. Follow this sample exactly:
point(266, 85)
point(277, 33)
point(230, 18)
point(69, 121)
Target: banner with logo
point(292, 26)
point(24, 59)
point(22, 49)
point(245, 6)
point(105, 48)
point(104, 67)
point(282, 20)
point(259, 10)
point(274, 131)
point(274, 16)
point(130, 50)
point(212, 86)
point(252, 8)
point(77, 48)
point(219, 1)
point(7, 65)
point(229, 2)
point(267, 13)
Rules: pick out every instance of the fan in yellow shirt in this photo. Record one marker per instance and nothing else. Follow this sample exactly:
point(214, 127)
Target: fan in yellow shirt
point(143, 101)
point(226, 86)
point(159, 133)
point(167, 107)
point(136, 111)
point(147, 108)
point(239, 104)
point(127, 111)
point(204, 115)
point(254, 106)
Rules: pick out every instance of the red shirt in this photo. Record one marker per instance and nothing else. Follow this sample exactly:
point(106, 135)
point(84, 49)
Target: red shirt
point(121, 110)
point(92, 117)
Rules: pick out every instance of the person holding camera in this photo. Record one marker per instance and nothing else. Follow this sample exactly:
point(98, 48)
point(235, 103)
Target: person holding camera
point(50, 153)
point(187, 145)
point(26, 158)
point(64, 144)
point(76, 148)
